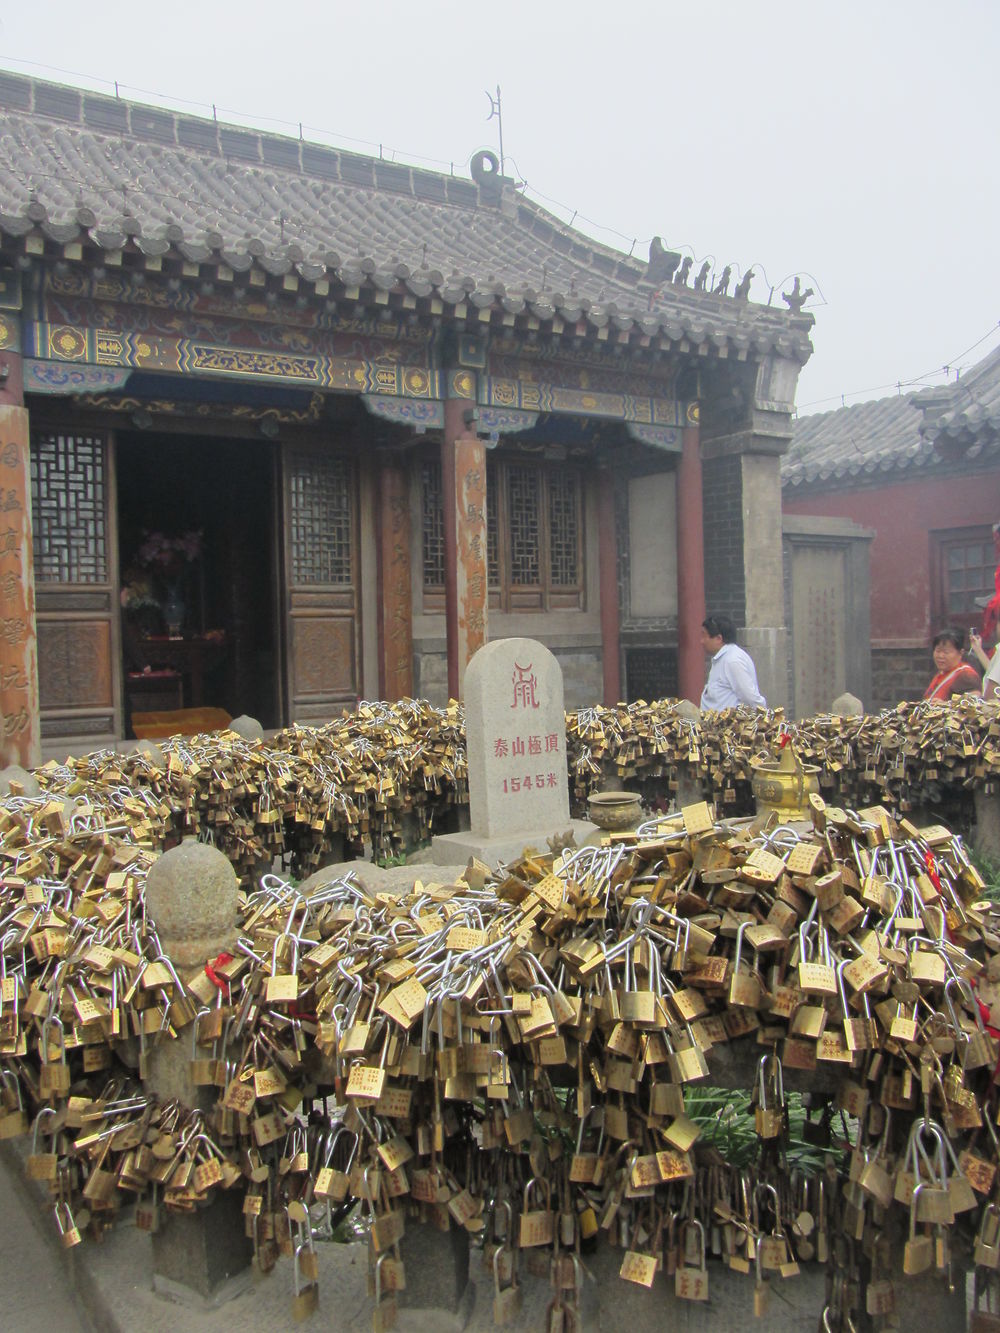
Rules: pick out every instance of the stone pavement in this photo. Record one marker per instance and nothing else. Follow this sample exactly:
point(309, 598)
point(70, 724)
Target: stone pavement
point(112, 1282)
point(36, 1286)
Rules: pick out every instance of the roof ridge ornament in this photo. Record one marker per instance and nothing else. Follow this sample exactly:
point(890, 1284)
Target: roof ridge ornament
point(662, 262)
point(796, 298)
point(484, 168)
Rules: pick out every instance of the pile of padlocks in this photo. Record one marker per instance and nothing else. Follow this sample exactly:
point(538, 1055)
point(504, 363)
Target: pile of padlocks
point(890, 758)
point(509, 1054)
point(392, 773)
point(296, 795)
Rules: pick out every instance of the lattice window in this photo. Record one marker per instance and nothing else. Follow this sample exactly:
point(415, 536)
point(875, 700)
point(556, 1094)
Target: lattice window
point(968, 574)
point(68, 503)
point(523, 511)
point(534, 535)
point(564, 528)
point(321, 490)
point(492, 524)
point(433, 524)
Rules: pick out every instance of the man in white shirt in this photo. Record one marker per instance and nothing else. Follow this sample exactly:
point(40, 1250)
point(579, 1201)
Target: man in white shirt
point(732, 679)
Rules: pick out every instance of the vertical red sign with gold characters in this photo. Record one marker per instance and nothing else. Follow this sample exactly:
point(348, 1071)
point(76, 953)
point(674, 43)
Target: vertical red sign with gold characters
point(21, 740)
point(470, 499)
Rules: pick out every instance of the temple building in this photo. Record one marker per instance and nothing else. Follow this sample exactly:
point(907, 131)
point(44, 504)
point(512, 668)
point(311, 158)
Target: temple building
point(284, 426)
point(914, 477)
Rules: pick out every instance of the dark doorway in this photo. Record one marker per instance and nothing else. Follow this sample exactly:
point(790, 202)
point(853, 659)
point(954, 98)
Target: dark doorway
point(197, 524)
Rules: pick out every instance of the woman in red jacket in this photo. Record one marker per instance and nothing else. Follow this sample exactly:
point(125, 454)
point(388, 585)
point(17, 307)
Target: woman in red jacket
point(991, 613)
point(953, 675)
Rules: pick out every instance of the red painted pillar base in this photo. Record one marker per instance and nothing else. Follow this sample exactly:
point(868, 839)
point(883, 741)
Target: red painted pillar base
point(690, 570)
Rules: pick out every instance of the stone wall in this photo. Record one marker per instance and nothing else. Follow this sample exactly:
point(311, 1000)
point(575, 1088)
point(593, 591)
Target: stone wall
point(430, 675)
point(898, 674)
point(827, 611)
point(650, 673)
point(722, 505)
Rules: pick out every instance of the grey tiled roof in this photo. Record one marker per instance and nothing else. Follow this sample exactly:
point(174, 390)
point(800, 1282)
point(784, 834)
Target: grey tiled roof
point(80, 165)
point(865, 438)
point(966, 411)
point(960, 421)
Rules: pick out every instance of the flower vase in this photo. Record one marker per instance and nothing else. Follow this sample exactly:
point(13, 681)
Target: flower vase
point(173, 611)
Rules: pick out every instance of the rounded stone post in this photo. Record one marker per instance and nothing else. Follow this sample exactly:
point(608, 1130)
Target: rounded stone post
point(152, 752)
point(192, 895)
point(25, 780)
point(247, 727)
point(847, 705)
point(191, 898)
point(689, 790)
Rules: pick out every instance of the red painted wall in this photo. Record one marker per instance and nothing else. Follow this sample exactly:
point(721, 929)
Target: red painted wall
point(903, 516)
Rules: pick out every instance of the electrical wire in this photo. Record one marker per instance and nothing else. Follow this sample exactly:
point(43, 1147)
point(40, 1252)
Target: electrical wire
point(944, 369)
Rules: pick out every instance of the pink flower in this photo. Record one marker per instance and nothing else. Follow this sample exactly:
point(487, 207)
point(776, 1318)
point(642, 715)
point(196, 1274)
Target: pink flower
point(166, 554)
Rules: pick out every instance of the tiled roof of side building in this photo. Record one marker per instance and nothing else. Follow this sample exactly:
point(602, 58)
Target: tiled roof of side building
point(966, 410)
point(75, 163)
point(864, 438)
point(959, 421)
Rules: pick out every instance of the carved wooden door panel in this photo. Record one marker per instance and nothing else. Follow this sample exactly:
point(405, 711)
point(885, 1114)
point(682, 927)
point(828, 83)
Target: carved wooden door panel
point(321, 583)
point(76, 590)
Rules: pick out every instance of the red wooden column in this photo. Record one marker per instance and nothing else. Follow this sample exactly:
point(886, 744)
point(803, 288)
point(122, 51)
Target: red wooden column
point(20, 729)
point(463, 484)
point(395, 601)
point(607, 559)
point(690, 570)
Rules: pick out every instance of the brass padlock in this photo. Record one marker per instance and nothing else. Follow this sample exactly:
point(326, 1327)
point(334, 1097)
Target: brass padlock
point(769, 1114)
point(744, 984)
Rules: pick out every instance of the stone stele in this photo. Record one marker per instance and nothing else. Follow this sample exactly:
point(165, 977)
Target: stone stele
point(515, 728)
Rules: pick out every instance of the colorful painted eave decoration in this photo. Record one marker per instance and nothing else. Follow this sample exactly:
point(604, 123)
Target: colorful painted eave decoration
point(141, 351)
point(509, 393)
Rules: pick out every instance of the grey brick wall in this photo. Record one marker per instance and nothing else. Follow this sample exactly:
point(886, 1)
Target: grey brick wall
point(899, 674)
point(722, 505)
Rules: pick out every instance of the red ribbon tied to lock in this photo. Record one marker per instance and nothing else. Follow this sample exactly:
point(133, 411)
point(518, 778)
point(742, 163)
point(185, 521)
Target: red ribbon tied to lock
point(932, 871)
point(214, 977)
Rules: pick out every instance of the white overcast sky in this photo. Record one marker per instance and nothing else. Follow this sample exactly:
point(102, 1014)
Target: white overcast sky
point(850, 140)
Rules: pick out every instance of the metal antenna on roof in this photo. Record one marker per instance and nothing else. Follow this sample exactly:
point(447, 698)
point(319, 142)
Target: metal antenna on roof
point(496, 110)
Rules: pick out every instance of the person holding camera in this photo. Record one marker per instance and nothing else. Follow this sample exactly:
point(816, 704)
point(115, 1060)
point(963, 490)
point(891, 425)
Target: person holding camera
point(991, 666)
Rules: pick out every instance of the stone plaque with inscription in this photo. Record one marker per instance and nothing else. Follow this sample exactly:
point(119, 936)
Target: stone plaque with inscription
point(516, 737)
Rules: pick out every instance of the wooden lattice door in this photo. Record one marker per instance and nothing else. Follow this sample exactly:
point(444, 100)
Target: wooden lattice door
point(321, 583)
point(76, 590)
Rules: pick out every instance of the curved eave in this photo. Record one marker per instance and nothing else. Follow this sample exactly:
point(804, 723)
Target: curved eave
point(928, 460)
point(749, 331)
